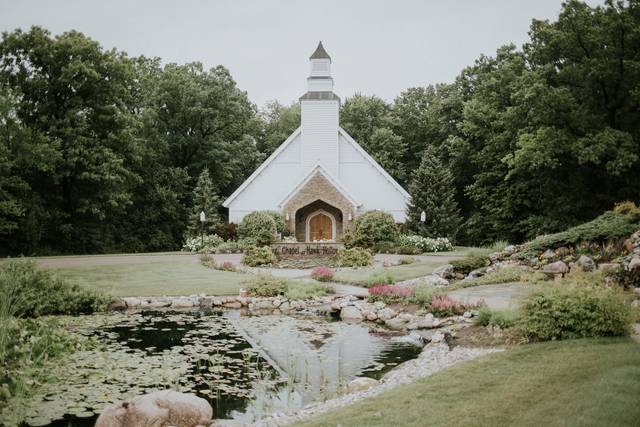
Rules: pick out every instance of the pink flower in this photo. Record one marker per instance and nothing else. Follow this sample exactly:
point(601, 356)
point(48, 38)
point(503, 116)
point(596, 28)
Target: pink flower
point(322, 273)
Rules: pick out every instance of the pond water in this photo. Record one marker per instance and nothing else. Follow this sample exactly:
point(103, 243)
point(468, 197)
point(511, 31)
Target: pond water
point(245, 366)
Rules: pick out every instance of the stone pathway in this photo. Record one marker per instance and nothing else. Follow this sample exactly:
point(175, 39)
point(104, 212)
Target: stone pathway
point(503, 296)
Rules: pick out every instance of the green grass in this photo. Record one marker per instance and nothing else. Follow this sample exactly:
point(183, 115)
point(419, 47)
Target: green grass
point(564, 383)
point(155, 279)
point(396, 272)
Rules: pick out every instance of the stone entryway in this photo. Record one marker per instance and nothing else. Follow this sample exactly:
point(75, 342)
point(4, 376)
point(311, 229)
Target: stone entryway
point(318, 221)
point(320, 227)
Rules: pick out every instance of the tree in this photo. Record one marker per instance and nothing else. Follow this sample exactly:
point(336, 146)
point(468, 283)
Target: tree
point(279, 122)
point(432, 191)
point(205, 199)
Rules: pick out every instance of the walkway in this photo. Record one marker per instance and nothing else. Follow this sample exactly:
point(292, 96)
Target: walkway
point(504, 296)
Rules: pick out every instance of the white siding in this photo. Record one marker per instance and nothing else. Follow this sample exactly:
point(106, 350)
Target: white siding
point(273, 183)
point(320, 134)
point(368, 185)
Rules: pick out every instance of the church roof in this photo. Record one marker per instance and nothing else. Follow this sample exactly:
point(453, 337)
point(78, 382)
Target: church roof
point(320, 96)
point(320, 53)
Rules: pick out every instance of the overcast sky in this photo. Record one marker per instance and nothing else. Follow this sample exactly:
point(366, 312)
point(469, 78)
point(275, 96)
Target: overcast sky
point(377, 47)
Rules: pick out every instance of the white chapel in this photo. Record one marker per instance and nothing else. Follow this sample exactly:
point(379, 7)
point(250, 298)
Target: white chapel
point(319, 178)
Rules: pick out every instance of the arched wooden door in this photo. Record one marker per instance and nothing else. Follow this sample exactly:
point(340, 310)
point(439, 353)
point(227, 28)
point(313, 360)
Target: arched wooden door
point(320, 227)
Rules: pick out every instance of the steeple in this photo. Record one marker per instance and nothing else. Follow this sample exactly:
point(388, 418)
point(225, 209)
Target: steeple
point(320, 53)
point(320, 74)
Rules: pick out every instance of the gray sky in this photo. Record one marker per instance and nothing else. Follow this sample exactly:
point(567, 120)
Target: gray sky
point(377, 47)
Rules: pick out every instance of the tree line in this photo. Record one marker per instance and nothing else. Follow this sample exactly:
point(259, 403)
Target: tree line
point(103, 152)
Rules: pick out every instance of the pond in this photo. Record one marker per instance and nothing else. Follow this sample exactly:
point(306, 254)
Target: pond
point(245, 366)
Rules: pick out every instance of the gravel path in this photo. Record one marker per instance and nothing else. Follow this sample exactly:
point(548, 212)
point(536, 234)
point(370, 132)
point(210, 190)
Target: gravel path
point(498, 297)
point(434, 358)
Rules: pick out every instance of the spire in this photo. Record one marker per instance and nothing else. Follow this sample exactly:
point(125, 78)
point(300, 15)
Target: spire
point(320, 53)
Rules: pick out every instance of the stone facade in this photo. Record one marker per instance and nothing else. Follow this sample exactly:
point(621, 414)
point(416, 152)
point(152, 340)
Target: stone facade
point(318, 188)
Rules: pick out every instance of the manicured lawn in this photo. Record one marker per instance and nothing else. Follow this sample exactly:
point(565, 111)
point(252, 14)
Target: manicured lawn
point(156, 278)
point(566, 383)
point(397, 272)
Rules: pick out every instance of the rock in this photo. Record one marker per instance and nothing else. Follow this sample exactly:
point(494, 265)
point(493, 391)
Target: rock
point(437, 337)
point(132, 302)
point(371, 316)
point(435, 280)
point(510, 250)
point(548, 254)
point(586, 263)
point(426, 322)
point(361, 384)
point(386, 314)
point(444, 271)
point(440, 337)
point(351, 313)
point(182, 302)
point(233, 304)
point(558, 267)
point(608, 266)
point(479, 272)
point(412, 338)
point(467, 315)
point(284, 307)
point(161, 408)
point(634, 263)
point(396, 324)
point(628, 245)
point(117, 305)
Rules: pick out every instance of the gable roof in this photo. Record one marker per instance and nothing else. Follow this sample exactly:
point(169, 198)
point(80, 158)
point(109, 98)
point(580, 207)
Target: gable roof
point(318, 168)
point(262, 167)
point(373, 162)
point(292, 138)
point(320, 53)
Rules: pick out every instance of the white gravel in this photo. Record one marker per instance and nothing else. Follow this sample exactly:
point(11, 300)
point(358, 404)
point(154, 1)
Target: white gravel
point(434, 358)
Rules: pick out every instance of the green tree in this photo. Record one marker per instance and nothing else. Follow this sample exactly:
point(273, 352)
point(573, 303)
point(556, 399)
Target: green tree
point(279, 122)
point(205, 199)
point(432, 192)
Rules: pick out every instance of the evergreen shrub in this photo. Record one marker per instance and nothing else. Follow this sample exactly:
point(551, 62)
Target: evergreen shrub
point(354, 257)
point(374, 227)
point(259, 255)
point(258, 227)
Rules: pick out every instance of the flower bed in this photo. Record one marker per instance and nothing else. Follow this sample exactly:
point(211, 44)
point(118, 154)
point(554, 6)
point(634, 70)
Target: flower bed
point(322, 273)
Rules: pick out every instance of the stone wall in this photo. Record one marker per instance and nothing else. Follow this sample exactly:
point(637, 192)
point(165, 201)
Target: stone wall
point(305, 250)
point(319, 188)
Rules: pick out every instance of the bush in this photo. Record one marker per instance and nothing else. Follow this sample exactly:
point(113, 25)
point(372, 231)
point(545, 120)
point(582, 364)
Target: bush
point(265, 285)
point(259, 227)
point(444, 306)
point(373, 227)
point(347, 238)
point(26, 291)
point(301, 291)
point(227, 266)
point(278, 218)
point(208, 243)
point(423, 294)
point(572, 310)
point(407, 260)
point(503, 319)
point(229, 247)
point(322, 273)
point(255, 256)
point(628, 208)
point(354, 257)
point(610, 226)
point(470, 263)
point(426, 244)
point(379, 279)
point(389, 294)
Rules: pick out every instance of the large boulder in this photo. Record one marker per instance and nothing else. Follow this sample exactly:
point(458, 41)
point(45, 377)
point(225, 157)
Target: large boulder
point(386, 313)
point(558, 267)
point(361, 384)
point(548, 254)
point(350, 312)
point(634, 263)
point(159, 409)
point(586, 263)
point(444, 271)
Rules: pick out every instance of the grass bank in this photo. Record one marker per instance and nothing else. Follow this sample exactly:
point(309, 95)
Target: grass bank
point(566, 383)
point(155, 278)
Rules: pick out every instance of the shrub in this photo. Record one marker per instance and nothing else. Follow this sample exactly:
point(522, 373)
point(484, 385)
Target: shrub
point(354, 257)
point(26, 291)
point(423, 294)
point(628, 208)
point(468, 264)
point(407, 260)
point(505, 275)
point(347, 238)
point(571, 310)
point(229, 247)
point(259, 227)
point(207, 243)
point(609, 226)
point(498, 245)
point(373, 227)
point(300, 291)
point(502, 319)
point(227, 266)
point(322, 273)
point(389, 294)
point(278, 218)
point(426, 244)
point(443, 306)
point(377, 280)
point(265, 285)
point(255, 256)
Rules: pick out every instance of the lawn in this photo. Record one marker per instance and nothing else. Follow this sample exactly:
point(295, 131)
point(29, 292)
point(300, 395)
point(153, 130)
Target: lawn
point(563, 383)
point(156, 278)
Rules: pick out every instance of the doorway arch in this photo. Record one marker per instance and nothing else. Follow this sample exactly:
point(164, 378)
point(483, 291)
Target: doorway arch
point(320, 225)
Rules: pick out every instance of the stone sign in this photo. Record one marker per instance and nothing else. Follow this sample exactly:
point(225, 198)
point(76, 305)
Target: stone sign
point(305, 250)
